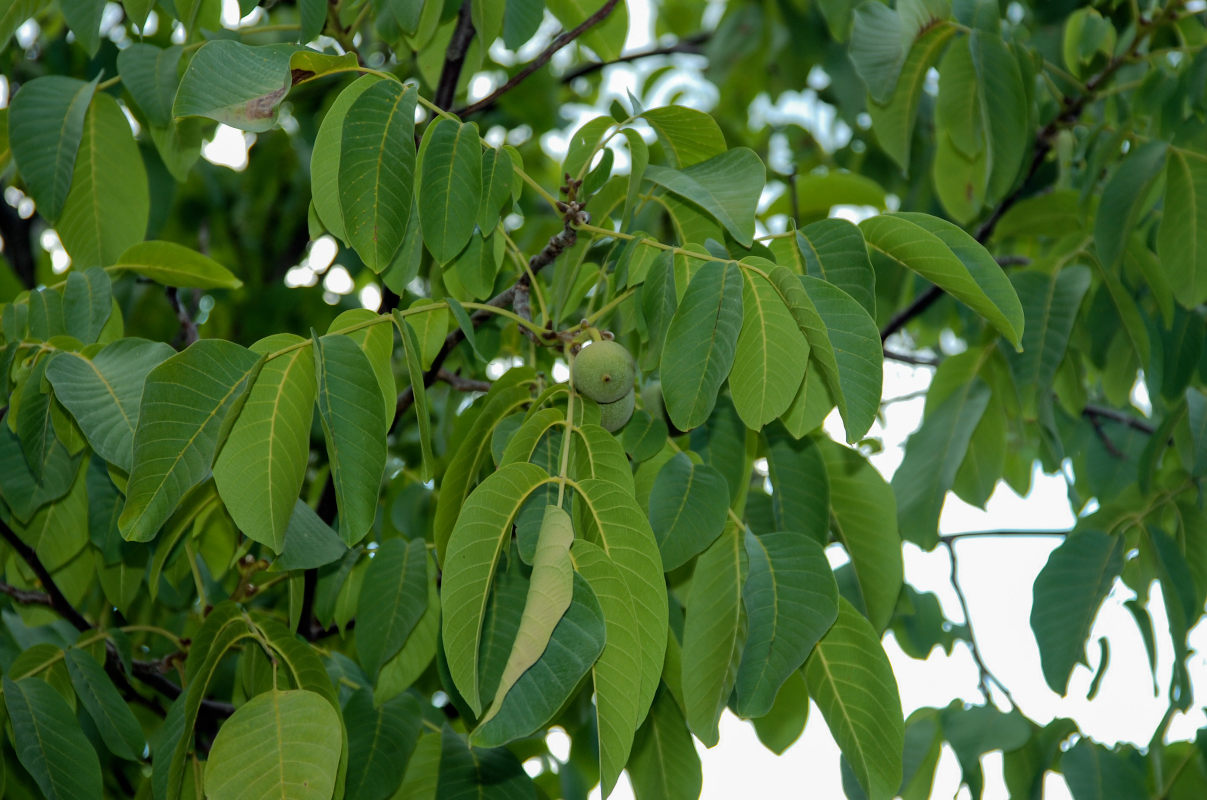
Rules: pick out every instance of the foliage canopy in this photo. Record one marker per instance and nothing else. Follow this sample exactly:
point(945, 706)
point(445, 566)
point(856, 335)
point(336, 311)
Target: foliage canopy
point(261, 541)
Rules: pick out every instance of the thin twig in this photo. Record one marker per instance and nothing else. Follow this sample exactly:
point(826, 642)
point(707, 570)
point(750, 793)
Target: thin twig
point(948, 538)
point(1093, 412)
point(985, 676)
point(560, 41)
point(1110, 446)
point(910, 358)
point(26, 597)
point(58, 601)
point(188, 328)
point(462, 384)
point(688, 44)
point(454, 57)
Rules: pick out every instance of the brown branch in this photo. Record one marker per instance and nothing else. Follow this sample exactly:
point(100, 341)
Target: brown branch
point(1069, 114)
point(689, 44)
point(1110, 446)
point(26, 597)
point(910, 358)
point(188, 328)
point(454, 57)
point(1094, 413)
point(58, 601)
point(560, 41)
point(985, 675)
point(462, 384)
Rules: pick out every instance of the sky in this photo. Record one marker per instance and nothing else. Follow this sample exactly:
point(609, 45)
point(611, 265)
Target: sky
point(996, 575)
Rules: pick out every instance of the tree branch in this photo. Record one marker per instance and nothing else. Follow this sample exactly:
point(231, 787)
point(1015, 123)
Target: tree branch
point(948, 538)
point(689, 44)
point(1094, 412)
point(910, 358)
point(26, 597)
point(560, 41)
point(454, 57)
point(985, 675)
point(188, 328)
point(58, 601)
point(462, 384)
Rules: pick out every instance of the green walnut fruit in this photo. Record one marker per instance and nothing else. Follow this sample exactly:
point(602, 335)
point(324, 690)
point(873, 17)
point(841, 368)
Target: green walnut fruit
point(604, 371)
point(613, 416)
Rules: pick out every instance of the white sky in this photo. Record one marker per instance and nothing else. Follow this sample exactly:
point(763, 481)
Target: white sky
point(996, 575)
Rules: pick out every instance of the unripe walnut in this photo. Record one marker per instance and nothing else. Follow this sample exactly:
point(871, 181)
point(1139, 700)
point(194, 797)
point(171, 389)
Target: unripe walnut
point(604, 371)
point(613, 416)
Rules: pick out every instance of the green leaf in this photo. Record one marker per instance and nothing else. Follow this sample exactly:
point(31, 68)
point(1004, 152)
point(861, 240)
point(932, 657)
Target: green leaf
point(84, 19)
point(59, 531)
point(393, 598)
point(475, 546)
point(951, 259)
point(1050, 305)
point(12, 14)
point(185, 405)
point(326, 156)
point(349, 403)
point(45, 126)
point(107, 209)
point(665, 765)
point(933, 454)
point(863, 515)
point(49, 742)
point(171, 264)
point(417, 653)
point(688, 136)
point(585, 143)
point(620, 528)
point(1182, 237)
point(893, 120)
point(791, 600)
point(834, 250)
point(1096, 773)
point(450, 186)
point(497, 172)
point(278, 744)
point(376, 339)
point(1003, 105)
point(780, 727)
point(113, 718)
point(616, 705)
point(712, 637)
point(377, 169)
point(236, 84)
point(309, 542)
point(543, 688)
point(801, 492)
point(1128, 195)
point(726, 186)
point(689, 506)
point(381, 740)
point(260, 470)
point(817, 193)
point(769, 362)
point(550, 591)
point(22, 492)
point(87, 303)
point(851, 681)
point(701, 342)
point(878, 48)
point(151, 76)
point(844, 343)
point(1068, 591)
point(411, 350)
point(472, 773)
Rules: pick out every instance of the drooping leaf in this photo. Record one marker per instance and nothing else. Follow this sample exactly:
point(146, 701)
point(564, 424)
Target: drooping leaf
point(1180, 239)
point(381, 739)
point(711, 634)
point(893, 120)
point(689, 505)
point(726, 186)
point(770, 357)
point(186, 401)
point(834, 250)
point(1068, 592)
point(467, 772)
point(49, 742)
point(780, 727)
point(175, 265)
point(260, 470)
point(474, 548)
point(309, 542)
point(55, 106)
point(1096, 773)
point(150, 75)
point(864, 712)
point(393, 598)
point(947, 256)
point(863, 518)
point(1125, 198)
point(1050, 305)
point(791, 601)
point(450, 186)
point(688, 136)
point(87, 303)
point(278, 744)
point(664, 765)
point(616, 705)
point(113, 719)
point(543, 688)
point(701, 342)
point(417, 652)
point(377, 169)
point(326, 156)
point(411, 352)
point(801, 491)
